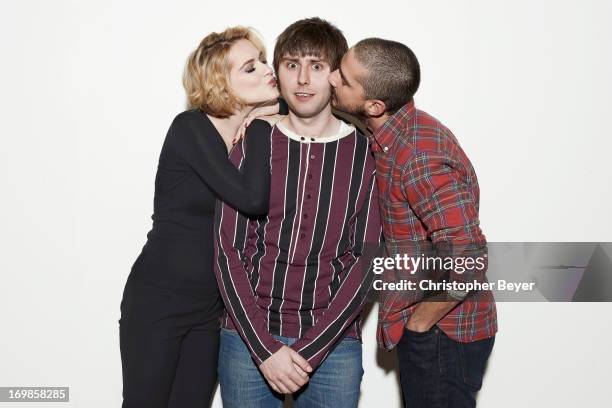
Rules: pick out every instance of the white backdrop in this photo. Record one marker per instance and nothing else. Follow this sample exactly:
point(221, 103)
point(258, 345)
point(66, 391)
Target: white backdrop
point(89, 88)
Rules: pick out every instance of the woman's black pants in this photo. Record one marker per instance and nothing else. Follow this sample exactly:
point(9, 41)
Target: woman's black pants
point(169, 346)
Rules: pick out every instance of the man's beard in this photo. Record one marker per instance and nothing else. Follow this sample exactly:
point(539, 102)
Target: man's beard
point(355, 110)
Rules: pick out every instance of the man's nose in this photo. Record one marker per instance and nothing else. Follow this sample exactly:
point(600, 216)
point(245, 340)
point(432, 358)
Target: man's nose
point(303, 77)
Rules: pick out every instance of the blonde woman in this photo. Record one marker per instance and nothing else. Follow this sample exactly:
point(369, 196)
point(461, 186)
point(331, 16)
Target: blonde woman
point(169, 326)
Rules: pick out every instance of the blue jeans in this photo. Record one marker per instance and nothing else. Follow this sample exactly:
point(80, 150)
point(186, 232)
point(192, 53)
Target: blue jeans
point(335, 383)
point(439, 372)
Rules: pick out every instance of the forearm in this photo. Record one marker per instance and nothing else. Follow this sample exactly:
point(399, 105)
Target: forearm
point(427, 313)
point(256, 168)
point(195, 140)
point(341, 312)
point(235, 286)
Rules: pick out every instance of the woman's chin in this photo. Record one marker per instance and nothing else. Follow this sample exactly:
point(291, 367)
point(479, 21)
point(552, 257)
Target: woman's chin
point(272, 97)
point(275, 94)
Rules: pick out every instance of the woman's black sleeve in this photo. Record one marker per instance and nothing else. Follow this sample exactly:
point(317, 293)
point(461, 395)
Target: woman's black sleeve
point(199, 144)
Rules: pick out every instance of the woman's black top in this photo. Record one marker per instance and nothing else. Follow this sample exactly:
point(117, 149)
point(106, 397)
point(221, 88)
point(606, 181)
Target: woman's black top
point(193, 172)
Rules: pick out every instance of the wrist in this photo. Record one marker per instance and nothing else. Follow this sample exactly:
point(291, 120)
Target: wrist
point(418, 325)
point(456, 295)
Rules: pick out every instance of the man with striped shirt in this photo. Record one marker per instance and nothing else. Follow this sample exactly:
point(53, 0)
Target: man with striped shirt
point(294, 282)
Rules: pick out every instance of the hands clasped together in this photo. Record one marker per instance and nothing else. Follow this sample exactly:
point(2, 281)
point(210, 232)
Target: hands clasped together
point(286, 371)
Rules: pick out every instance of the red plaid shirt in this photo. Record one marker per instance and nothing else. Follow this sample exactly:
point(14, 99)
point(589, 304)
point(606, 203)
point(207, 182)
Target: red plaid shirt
point(428, 196)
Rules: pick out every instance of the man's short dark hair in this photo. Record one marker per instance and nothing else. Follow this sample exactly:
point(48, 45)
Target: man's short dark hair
point(311, 36)
point(393, 71)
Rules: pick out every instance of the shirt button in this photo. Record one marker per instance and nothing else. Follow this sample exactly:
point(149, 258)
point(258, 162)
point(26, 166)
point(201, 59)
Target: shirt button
point(312, 156)
point(310, 176)
point(305, 215)
point(312, 139)
point(302, 138)
point(307, 195)
point(302, 235)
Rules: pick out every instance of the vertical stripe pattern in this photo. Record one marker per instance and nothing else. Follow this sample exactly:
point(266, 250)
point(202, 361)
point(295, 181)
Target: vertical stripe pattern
point(302, 262)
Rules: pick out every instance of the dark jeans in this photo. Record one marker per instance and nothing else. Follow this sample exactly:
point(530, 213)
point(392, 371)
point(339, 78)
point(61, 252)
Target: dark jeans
point(438, 372)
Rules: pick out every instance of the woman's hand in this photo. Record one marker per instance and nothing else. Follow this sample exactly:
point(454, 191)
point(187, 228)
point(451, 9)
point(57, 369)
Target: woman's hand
point(268, 113)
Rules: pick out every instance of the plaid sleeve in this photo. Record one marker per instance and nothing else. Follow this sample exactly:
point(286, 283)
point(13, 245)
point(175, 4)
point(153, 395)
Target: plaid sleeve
point(444, 199)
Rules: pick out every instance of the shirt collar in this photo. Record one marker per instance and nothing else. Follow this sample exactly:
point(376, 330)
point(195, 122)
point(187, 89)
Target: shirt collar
point(385, 136)
point(343, 131)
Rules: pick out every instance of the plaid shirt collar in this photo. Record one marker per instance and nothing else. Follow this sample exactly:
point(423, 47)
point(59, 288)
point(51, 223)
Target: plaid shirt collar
point(385, 137)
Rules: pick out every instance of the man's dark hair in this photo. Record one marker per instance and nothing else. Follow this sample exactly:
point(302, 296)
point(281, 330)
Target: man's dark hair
point(311, 36)
point(393, 71)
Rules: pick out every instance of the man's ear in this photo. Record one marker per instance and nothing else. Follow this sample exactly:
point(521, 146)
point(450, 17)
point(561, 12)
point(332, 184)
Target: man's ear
point(375, 108)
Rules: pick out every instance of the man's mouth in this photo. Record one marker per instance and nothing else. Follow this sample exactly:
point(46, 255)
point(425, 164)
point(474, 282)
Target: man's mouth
point(303, 96)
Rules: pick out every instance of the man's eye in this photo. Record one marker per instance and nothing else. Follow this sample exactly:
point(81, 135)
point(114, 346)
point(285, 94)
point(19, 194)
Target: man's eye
point(316, 67)
point(291, 65)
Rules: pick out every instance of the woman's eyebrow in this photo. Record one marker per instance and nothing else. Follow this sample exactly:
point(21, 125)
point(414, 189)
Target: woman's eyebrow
point(247, 62)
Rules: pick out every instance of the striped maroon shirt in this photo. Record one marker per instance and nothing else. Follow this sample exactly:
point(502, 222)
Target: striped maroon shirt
point(297, 272)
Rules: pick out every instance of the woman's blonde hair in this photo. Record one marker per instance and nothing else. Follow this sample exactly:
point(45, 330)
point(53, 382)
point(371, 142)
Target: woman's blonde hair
point(206, 76)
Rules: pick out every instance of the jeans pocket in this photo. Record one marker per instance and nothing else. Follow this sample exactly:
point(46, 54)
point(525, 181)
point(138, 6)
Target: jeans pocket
point(420, 350)
point(347, 346)
point(473, 360)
